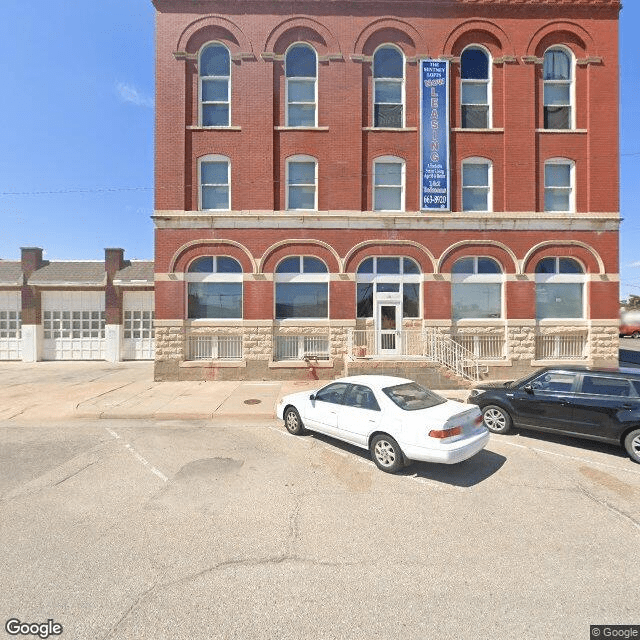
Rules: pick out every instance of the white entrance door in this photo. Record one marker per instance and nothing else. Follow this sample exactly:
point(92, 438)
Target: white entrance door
point(388, 325)
point(138, 337)
point(10, 329)
point(73, 324)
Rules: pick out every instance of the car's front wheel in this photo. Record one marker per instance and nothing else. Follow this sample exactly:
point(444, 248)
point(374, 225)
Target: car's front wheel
point(632, 445)
point(293, 422)
point(496, 419)
point(386, 453)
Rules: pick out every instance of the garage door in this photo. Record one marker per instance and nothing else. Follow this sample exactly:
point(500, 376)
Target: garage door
point(138, 336)
point(10, 326)
point(73, 323)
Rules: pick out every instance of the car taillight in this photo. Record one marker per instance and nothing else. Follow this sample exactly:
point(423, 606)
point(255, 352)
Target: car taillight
point(478, 420)
point(445, 433)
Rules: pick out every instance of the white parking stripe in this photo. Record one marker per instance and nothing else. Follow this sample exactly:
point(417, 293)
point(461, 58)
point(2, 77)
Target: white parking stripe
point(576, 458)
point(138, 456)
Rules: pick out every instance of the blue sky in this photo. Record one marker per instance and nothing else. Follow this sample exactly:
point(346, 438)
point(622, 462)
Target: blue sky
point(76, 132)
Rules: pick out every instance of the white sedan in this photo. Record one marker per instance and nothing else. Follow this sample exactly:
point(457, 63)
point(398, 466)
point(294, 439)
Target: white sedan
point(395, 418)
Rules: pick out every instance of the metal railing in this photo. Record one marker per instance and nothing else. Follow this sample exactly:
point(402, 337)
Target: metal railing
point(563, 346)
point(426, 343)
point(214, 347)
point(299, 347)
point(483, 347)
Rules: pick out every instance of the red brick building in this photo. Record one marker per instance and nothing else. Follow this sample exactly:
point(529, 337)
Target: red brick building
point(293, 216)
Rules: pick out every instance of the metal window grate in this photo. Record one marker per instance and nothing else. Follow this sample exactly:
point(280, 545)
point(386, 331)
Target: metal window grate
point(218, 347)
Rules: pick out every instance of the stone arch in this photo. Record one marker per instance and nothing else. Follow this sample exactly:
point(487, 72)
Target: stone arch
point(211, 28)
point(399, 32)
point(567, 33)
point(581, 251)
point(496, 250)
point(301, 29)
point(297, 246)
point(408, 248)
point(203, 247)
point(481, 32)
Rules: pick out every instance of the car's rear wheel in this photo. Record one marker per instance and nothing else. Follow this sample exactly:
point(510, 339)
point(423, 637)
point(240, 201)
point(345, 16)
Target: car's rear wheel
point(635, 334)
point(386, 453)
point(632, 445)
point(496, 419)
point(293, 422)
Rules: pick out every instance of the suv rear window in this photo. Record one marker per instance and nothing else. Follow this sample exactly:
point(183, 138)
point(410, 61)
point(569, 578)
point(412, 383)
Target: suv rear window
point(600, 386)
point(412, 397)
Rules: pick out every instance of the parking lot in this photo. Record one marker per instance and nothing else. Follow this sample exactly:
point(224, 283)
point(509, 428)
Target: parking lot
point(126, 529)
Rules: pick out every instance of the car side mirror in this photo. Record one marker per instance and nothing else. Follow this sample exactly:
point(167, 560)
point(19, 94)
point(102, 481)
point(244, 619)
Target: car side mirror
point(528, 388)
point(312, 397)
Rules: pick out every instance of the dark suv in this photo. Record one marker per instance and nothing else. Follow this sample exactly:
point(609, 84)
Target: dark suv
point(598, 404)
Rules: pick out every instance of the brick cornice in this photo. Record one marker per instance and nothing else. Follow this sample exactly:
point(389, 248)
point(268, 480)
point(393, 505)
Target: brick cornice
point(572, 4)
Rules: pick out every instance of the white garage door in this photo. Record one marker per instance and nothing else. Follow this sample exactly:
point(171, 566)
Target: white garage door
point(138, 335)
point(73, 323)
point(10, 326)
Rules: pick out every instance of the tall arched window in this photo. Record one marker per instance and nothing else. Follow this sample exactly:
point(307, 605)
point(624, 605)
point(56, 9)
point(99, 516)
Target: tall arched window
point(214, 174)
point(388, 184)
point(559, 289)
point(475, 89)
point(301, 71)
point(558, 88)
point(388, 87)
point(476, 185)
point(302, 288)
point(559, 192)
point(476, 288)
point(214, 288)
point(215, 86)
point(302, 183)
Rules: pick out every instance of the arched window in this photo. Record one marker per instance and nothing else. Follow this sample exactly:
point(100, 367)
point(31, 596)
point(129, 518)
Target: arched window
point(388, 184)
point(388, 87)
point(558, 88)
point(215, 86)
point(214, 288)
point(215, 183)
point(476, 185)
point(388, 275)
point(559, 289)
point(475, 89)
point(301, 71)
point(302, 183)
point(559, 192)
point(301, 288)
point(476, 288)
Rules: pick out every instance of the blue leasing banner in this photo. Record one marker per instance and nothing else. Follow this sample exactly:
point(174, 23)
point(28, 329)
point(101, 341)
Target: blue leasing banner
point(434, 135)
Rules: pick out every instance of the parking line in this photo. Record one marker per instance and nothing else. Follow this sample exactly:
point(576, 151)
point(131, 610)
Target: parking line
point(576, 458)
point(138, 457)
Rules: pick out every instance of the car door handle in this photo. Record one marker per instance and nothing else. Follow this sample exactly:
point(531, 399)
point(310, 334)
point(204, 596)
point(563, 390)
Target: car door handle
point(627, 405)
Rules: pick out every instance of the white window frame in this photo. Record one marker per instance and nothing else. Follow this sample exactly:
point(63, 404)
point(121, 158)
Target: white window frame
point(563, 278)
point(301, 158)
point(202, 79)
point(488, 188)
point(401, 81)
point(286, 87)
point(488, 82)
point(571, 188)
point(213, 277)
point(213, 158)
point(300, 277)
point(481, 278)
point(571, 82)
point(389, 160)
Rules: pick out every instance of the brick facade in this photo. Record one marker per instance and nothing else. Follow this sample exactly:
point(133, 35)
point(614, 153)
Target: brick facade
point(258, 231)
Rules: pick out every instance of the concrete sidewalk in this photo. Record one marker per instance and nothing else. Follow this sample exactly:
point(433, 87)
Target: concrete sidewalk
point(90, 390)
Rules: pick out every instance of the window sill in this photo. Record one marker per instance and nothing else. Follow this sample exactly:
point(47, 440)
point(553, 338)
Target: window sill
point(562, 131)
point(222, 364)
point(301, 364)
point(470, 130)
point(583, 362)
point(199, 128)
point(301, 128)
point(387, 129)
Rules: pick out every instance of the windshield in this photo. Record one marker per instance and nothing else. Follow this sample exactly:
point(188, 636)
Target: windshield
point(412, 397)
